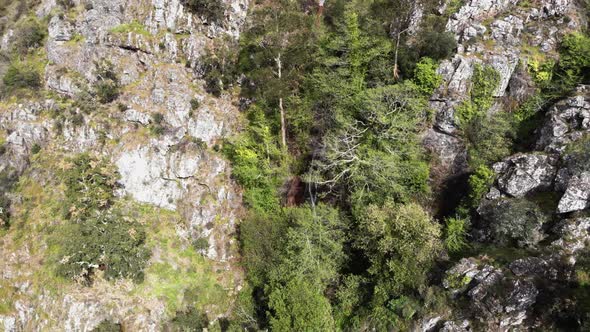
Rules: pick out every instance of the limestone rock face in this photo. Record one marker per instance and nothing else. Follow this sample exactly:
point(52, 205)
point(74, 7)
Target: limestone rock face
point(490, 33)
point(577, 194)
point(567, 122)
point(500, 301)
point(573, 235)
point(521, 174)
point(155, 49)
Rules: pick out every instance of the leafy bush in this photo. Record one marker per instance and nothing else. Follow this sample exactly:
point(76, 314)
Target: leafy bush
point(4, 211)
point(107, 91)
point(257, 161)
point(133, 27)
point(66, 4)
point(514, 222)
point(107, 86)
point(36, 148)
point(479, 183)
point(108, 326)
point(491, 138)
point(401, 242)
point(542, 73)
point(456, 233)
point(298, 307)
point(574, 60)
point(29, 34)
point(211, 10)
point(218, 67)
point(89, 186)
point(195, 103)
point(426, 77)
point(436, 45)
point(157, 128)
point(19, 76)
point(190, 320)
point(484, 82)
point(107, 242)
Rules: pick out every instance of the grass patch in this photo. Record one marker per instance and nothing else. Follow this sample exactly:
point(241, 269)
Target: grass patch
point(133, 27)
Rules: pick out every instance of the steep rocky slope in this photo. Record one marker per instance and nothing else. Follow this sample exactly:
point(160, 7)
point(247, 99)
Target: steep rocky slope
point(539, 200)
point(174, 181)
point(162, 132)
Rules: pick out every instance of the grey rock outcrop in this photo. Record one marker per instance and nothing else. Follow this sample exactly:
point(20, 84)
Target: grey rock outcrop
point(577, 194)
point(567, 122)
point(574, 235)
point(497, 299)
point(511, 221)
point(491, 33)
point(521, 174)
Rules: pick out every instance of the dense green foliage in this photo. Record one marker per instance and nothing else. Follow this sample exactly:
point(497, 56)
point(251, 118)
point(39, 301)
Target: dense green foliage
point(109, 242)
point(97, 237)
point(89, 187)
point(425, 76)
point(211, 10)
point(484, 82)
point(456, 234)
point(358, 252)
point(190, 320)
point(19, 76)
point(107, 86)
point(108, 326)
point(29, 34)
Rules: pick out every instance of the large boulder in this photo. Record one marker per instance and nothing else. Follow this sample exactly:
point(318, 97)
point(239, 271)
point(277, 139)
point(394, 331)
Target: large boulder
point(574, 235)
point(567, 122)
point(577, 194)
point(511, 222)
point(519, 175)
point(496, 298)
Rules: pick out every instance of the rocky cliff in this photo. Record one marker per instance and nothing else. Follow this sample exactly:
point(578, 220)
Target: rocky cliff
point(161, 131)
point(539, 198)
point(175, 180)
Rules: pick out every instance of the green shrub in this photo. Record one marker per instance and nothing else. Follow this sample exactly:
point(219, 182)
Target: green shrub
point(211, 10)
point(479, 183)
point(107, 242)
point(108, 326)
point(157, 127)
point(85, 102)
point(195, 103)
point(190, 320)
point(514, 222)
point(89, 186)
point(4, 211)
point(66, 4)
point(436, 45)
point(36, 148)
point(456, 233)
point(491, 138)
point(484, 82)
point(107, 86)
point(19, 76)
point(426, 77)
point(134, 27)
point(157, 118)
point(219, 69)
point(29, 34)
point(107, 91)
point(574, 60)
point(542, 73)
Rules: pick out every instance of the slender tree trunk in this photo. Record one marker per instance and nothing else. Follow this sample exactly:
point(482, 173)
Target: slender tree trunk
point(320, 12)
point(281, 108)
point(395, 65)
point(283, 125)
